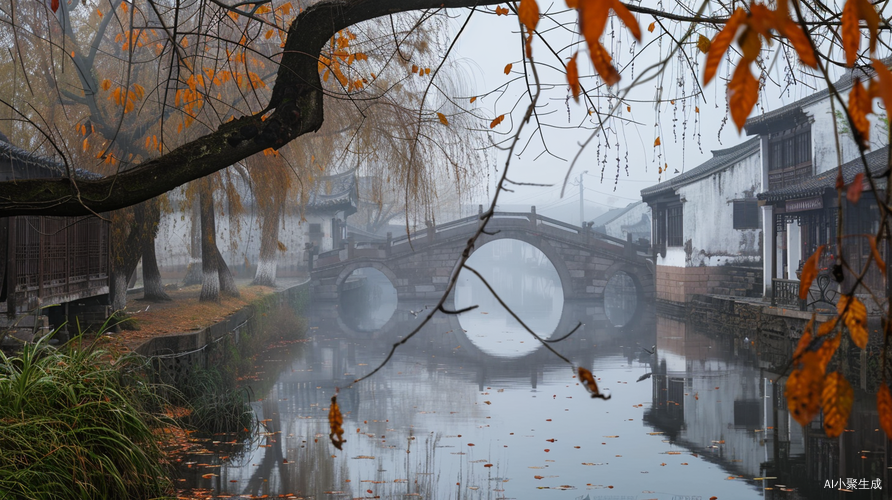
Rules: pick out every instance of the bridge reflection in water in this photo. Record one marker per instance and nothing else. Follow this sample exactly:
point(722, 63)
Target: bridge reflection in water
point(446, 419)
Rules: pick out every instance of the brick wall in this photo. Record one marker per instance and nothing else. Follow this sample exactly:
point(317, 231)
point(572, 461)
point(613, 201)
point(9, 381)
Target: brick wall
point(680, 284)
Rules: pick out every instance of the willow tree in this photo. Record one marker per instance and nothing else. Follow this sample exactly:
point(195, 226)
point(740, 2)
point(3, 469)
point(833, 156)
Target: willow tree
point(375, 130)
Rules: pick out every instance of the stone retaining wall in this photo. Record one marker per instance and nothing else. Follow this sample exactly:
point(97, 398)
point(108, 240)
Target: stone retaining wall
point(680, 284)
point(175, 357)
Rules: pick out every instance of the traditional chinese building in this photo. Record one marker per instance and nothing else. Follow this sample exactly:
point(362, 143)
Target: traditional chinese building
point(48, 261)
point(805, 146)
point(706, 234)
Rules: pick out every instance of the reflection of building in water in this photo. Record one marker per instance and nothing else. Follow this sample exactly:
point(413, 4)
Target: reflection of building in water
point(725, 408)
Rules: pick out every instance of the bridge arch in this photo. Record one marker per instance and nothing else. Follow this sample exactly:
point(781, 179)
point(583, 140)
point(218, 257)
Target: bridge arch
point(539, 243)
point(360, 264)
point(640, 277)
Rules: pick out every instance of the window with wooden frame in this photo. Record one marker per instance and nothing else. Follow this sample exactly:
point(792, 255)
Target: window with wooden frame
point(746, 214)
point(789, 156)
point(675, 226)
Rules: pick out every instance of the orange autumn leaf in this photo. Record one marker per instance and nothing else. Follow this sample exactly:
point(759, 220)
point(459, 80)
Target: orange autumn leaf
point(473, 99)
point(853, 193)
point(853, 13)
point(860, 105)
point(508, 68)
point(703, 44)
point(805, 340)
point(876, 254)
point(743, 92)
point(335, 422)
point(720, 44)
point(501, 11)
point(528, 13)
point(657, 141)
point(497, 121)
point(884, 408)
point(793, 32)
point(836, 399)
point(573, 77)
point(854, 314)
point(588, 381)
point(803, 389)
point(882, 90)
point(442, 118)
point(593, 16)
point(601, 61)
point(809, 272)
point(828, 327)
point(826, 351)
point(651, 27)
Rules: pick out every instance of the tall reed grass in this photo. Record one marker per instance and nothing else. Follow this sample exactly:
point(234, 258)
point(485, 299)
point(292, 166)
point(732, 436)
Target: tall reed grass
point(72, 426)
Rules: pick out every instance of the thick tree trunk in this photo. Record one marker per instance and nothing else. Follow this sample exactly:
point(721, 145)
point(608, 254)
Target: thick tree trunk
point(210, 279)
point(124, 258)
point(194, 269)
point(148, 215)
point(227, 281)
point(215, 275)
point(269, 244)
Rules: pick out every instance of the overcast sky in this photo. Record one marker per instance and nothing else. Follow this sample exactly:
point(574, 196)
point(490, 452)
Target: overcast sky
point(491, 42)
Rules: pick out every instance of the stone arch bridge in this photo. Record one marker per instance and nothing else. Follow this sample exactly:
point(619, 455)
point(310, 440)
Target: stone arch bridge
point(419, 265)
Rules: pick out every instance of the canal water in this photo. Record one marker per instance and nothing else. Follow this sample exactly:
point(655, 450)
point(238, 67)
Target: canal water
point(473, 407)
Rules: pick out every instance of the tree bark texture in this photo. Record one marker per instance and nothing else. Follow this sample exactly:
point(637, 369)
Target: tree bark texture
point(125, 254)
point(215, 276)
point(148, 216)
point(193, 269)
point(269, 245)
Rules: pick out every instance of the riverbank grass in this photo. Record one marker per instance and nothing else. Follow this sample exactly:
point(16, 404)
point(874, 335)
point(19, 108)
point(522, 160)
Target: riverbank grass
point(74, 426)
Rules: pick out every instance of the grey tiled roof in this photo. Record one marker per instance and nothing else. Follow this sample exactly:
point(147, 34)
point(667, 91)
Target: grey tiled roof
point(721, 159)
point(757, 124)
point(613, 214)
point(340, 196)
point(817, 184)
point(16, 162)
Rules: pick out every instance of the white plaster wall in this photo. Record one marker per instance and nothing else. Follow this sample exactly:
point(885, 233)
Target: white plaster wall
point(633, 216)
point(709, 216)
point(824, 139)
point(675, 257)
point(174, 239)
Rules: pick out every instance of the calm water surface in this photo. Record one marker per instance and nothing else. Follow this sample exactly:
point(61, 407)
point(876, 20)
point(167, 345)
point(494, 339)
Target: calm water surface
point(488, 413)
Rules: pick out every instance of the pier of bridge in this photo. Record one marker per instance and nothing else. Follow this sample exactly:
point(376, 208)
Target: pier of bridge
point(419, 265)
